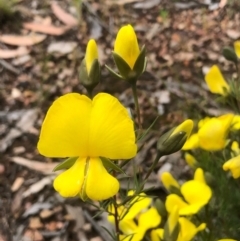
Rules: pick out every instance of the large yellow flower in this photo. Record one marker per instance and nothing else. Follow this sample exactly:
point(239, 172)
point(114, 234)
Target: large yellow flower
point(76, 126)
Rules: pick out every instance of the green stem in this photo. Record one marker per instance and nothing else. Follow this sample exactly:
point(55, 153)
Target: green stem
point(135, 96)
point(116, 218)
point(158, 156)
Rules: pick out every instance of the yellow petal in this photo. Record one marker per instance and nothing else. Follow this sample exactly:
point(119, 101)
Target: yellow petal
point(77, 126)
point(236, 122)
point(168, 180)
point(235, 149)
point(203, 122)
point(191, 143)
point(215, 81)
point(196, 192)
point(65, 129)
point(174, 200)
point(69, 183)
point(199, 175)
point(188, 229)
point(173, 219)
point(126, 45)
point(128, 226)
point(157, 234)
point(227, 239)
point(234, 166)
point(237, 48)
point(136, 205)
point(212, 135)
point(190, 159)
point(186, 126)
point(100, 185)
point(111, 131)
point(91, 54)
point(151, 214)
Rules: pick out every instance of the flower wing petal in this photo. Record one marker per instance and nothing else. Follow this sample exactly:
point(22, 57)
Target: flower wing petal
point(69, 182)
point(111, 129)
point(100, 185)
point(65, 129)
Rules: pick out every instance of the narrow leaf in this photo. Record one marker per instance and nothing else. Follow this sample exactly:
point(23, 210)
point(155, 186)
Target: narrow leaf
point(65, 164)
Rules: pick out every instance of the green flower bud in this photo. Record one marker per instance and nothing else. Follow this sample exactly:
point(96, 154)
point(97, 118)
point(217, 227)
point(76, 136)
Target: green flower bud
point(230, 54)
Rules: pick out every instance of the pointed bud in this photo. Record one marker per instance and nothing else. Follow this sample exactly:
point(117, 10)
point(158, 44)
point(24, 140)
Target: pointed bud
point(160, 206)
point(130, 61)
point(90, 72)
point(230, 54)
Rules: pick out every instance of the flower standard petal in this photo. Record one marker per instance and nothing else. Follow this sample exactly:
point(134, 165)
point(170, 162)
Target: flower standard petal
point(215, 81)
point(196, 192)
point(126, 45)
point(69, 183)
point(65, 129)
point(111, 131)
point(100, 185)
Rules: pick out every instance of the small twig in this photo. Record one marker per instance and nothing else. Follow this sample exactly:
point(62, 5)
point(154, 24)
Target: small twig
point(9, 67)
point(95, 225)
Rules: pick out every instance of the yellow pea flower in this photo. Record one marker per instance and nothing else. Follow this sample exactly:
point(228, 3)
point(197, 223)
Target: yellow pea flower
point(216, 82)
point(76, 126)
point(212, 135)
point(137, 205)
point(126, 45)
point(196, 195)
point(237, 48)
point(169, 181)
point(137, 232)
point(188, 230)
point(91, 54)
point(233, 165)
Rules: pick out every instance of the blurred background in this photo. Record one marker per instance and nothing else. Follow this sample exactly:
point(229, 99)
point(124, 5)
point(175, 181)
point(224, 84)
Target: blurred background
point(42, 44)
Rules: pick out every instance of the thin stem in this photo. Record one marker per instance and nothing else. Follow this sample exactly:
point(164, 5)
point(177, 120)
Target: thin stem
point(135, 96)
point(158, 156)
point(116, 217)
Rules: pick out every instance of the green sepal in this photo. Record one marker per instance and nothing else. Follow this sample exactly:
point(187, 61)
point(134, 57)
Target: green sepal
point(230, 54)
point(141, 62)
point(95, 73)
point(160, 206)
point(168, 144)
point(66, 164)
point(110, 164)
point(123, 68)
point(167, 236)
point(90, 81)
point(114, 73)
